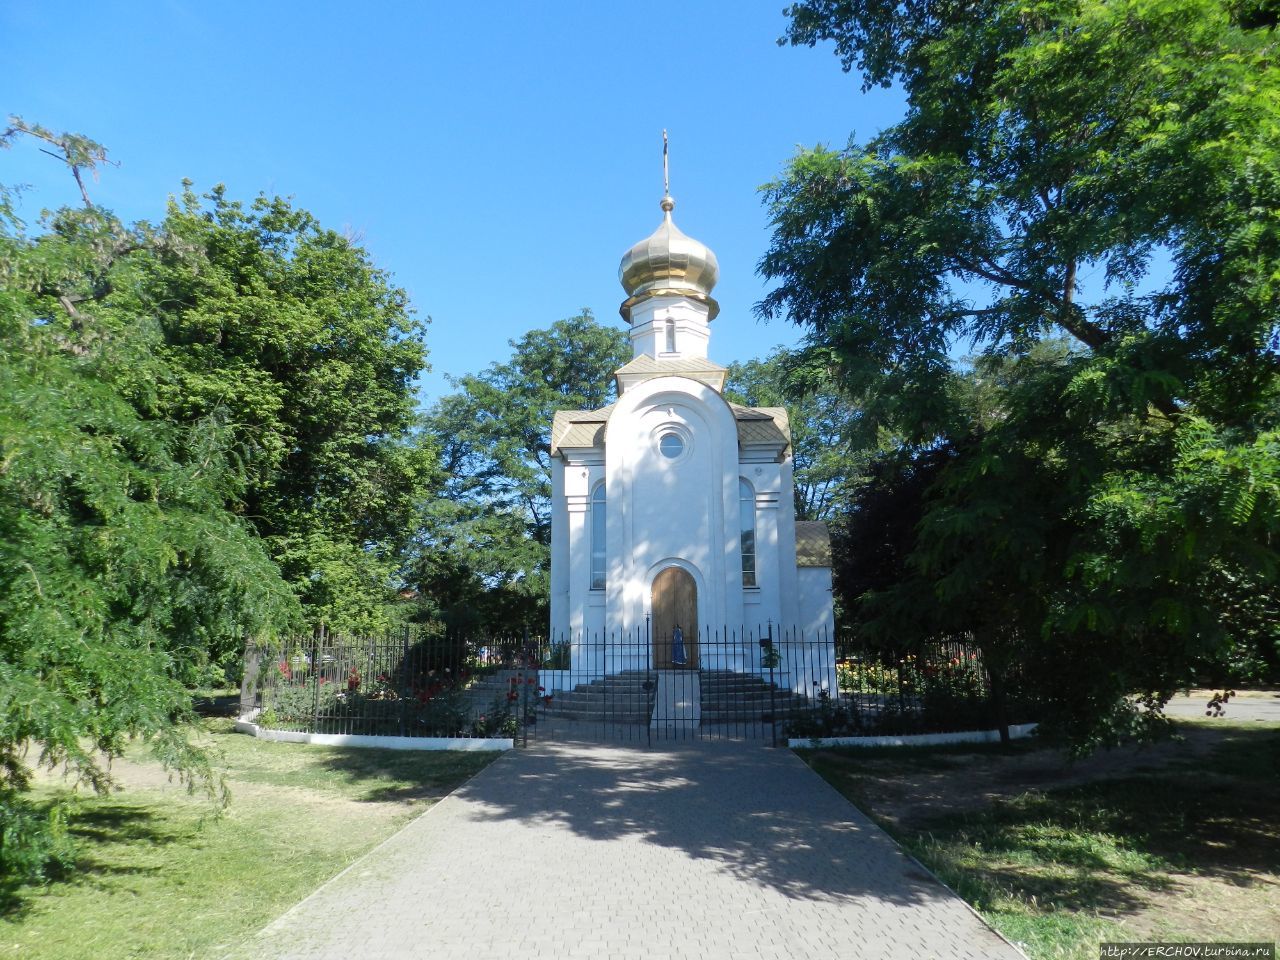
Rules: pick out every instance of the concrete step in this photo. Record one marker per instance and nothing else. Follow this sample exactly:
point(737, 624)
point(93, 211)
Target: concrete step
point(617, 698)
point(569, 701)
point(595, 717)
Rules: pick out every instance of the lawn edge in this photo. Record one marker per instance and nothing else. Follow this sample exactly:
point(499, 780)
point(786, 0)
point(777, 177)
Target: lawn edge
point(909, 855)
point(229, 952)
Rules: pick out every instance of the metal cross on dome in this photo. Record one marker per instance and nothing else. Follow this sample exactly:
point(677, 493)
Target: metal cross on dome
point(666, 175)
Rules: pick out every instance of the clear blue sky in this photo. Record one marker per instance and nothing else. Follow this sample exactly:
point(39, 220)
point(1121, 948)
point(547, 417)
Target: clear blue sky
point(497, 158)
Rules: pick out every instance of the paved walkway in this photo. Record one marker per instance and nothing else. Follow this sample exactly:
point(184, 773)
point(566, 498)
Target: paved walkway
point(700, 850)
point(1264, 707)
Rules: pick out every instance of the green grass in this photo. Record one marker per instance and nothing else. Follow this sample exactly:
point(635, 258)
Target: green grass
point(1059, 867)
point(160, 877)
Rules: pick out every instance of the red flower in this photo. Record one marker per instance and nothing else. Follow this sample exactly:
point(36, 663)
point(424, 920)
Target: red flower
point(511, 697)
point(547, 699)
point(531, 681)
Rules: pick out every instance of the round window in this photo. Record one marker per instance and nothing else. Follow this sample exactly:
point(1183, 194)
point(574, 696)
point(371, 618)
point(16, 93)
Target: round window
point(671, 445)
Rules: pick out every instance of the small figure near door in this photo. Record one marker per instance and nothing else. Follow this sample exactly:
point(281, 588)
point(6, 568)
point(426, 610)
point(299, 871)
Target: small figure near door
point(678, 657)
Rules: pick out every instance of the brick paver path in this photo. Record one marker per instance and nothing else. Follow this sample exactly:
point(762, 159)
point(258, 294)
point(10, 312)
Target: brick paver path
point(700, 850)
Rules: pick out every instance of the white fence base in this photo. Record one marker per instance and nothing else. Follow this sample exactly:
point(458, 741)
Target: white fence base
point(382, 743)
point(1017, 731)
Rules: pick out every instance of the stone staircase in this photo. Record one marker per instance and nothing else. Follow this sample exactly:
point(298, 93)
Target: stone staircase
point(618, 698)
point(482, 693)
point(725, 698)
point(729, 697)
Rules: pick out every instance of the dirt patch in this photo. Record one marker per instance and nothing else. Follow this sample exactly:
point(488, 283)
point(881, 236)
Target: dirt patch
point(1207, 909)
point(912, 794)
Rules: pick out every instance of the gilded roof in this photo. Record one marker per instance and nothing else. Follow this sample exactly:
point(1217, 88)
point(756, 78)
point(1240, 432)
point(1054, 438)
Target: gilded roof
point(757, 426)
point(667, 263)
point(579, 428)
point(762, 425)
point(813, 544)
point(646, 367)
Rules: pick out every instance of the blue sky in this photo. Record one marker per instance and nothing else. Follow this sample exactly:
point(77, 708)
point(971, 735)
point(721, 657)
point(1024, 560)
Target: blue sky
point(497, 159)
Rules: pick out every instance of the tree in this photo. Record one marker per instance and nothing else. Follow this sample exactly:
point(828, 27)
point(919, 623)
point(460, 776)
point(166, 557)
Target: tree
point(205, 434)
point(1101, 171)
point(486, 545)
point(120, 565)
point(288, 334)
point(311, 355)
point(823, 424)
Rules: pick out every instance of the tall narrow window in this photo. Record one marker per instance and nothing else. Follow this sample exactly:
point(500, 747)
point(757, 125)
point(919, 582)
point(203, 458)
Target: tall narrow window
point(597, 538)
point(671, 336)
point(747, 522)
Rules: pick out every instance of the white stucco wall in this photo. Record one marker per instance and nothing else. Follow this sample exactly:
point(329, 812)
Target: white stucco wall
point(672, 512)
point(816, 621)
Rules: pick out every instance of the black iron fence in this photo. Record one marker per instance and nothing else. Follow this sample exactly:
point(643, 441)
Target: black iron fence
point(935, 687)
point(764, 683)
point(406, 684)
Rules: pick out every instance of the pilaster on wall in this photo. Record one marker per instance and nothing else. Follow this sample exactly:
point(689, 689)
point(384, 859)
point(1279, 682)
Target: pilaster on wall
point(768, 556)
point(559, 552)
point(576, 506)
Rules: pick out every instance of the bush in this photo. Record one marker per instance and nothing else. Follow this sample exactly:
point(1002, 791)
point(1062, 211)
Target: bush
point(33, 846)
point(857, 676)
point(558, 657)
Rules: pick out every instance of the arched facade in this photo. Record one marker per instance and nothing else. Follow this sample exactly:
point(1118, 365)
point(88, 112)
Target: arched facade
point(682, 478)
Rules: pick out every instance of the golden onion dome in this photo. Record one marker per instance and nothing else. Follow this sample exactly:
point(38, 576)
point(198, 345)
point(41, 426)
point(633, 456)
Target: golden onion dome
point(668, 263)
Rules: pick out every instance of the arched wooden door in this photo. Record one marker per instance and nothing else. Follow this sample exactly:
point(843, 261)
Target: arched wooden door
point(675, 604)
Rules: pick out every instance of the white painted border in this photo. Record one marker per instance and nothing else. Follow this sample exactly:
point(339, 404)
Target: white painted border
point(386, 743)
point(1017, 731)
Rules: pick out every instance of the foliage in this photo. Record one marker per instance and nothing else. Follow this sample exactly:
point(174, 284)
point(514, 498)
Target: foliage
point(485, 546)
point(860, 676)
point(310, 355)
point(936, 689)
point(185, 409)
point(559, 656)
point(119, 566)
point(419, 681)
point(1100, 172)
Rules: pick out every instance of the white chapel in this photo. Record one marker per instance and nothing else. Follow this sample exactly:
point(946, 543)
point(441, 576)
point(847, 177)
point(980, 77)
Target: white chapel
point(672, 507)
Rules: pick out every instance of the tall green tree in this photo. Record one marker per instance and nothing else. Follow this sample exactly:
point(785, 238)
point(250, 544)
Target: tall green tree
point(310, 353)
point(485, 549)
point(121, 566)
point(1103, 171)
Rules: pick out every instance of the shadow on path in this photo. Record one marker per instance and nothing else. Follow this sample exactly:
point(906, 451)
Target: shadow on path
point(758, 813)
